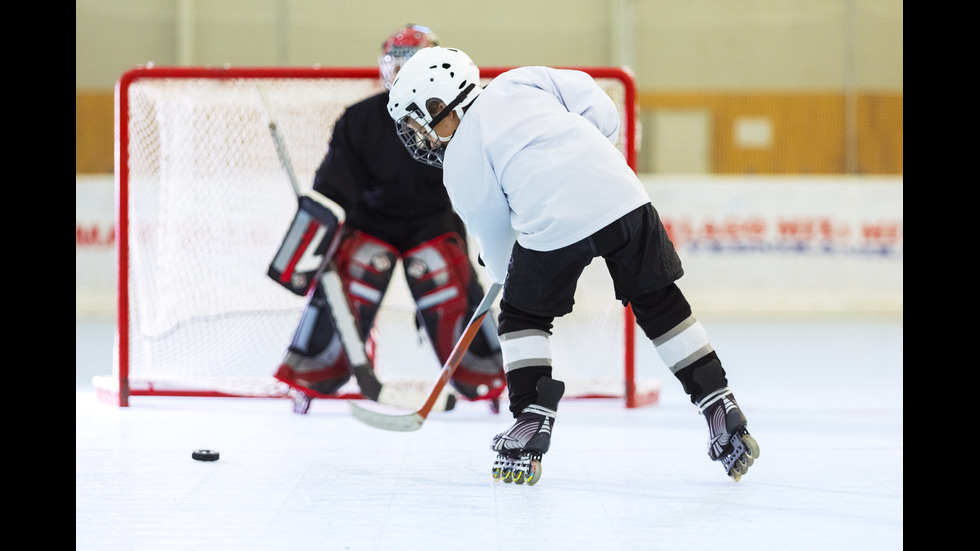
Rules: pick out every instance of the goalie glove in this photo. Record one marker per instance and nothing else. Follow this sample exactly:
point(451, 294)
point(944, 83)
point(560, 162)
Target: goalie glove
point(309, 243)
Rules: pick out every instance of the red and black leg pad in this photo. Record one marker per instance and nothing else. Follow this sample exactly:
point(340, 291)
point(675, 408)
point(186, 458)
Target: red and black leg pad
point(446, 292)
point(315, 363)
point(365, 266)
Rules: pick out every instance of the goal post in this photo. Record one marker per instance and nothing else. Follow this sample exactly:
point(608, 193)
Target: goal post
point(202, 202)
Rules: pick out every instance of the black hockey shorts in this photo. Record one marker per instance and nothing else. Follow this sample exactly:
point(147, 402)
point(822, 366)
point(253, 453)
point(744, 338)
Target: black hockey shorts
point(638, 254)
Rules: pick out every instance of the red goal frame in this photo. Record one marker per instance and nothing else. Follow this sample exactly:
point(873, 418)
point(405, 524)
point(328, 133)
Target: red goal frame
point(121, 397)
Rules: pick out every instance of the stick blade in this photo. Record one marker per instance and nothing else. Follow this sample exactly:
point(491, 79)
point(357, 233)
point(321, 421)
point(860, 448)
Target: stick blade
point(385, 421)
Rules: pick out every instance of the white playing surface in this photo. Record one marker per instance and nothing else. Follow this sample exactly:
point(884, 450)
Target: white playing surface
point(824, 399)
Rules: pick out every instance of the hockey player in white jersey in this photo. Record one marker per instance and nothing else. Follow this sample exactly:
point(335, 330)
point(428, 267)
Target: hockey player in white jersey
point(531, 166)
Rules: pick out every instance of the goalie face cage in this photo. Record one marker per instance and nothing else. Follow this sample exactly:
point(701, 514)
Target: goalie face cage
point(202, 201)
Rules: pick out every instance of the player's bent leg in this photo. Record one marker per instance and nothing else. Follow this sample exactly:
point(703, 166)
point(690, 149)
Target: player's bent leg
point(682, 343)
point(680, 340)
point(541, 287)
point(534, 396)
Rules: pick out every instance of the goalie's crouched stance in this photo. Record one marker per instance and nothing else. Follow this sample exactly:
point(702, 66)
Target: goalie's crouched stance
point(443, 285)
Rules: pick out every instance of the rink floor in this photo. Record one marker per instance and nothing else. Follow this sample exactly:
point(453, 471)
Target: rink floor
point(824, 399)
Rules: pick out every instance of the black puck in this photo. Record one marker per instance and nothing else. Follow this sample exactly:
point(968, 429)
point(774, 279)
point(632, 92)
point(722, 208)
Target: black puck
point(205, 455)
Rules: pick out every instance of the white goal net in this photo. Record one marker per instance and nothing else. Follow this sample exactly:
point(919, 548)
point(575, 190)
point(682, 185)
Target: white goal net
point(203, 202)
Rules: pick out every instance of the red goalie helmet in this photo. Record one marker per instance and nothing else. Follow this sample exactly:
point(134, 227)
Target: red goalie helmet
point(402, 45)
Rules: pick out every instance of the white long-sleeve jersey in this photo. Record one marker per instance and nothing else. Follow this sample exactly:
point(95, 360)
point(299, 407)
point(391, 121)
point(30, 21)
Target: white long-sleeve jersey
point(534, 159)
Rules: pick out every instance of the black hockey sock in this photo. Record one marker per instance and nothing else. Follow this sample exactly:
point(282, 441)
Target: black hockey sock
point(522, 386)
point(703, 377)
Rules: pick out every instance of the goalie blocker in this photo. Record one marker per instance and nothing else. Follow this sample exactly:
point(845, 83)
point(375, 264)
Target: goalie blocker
point(309, 243)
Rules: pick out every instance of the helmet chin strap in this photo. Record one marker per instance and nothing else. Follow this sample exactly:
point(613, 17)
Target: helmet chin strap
point(452, 105)
point(440, 117)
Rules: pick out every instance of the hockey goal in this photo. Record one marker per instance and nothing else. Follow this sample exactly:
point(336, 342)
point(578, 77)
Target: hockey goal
point(203, 201)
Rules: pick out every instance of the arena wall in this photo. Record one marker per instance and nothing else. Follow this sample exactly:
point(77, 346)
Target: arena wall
point(751, 245)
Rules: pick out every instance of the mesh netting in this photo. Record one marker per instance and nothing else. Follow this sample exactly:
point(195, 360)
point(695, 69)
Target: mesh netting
point(208, 205)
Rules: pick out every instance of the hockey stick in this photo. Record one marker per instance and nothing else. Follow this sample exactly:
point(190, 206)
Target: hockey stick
point(360, 367)
point(326, 275)
point(413, 421)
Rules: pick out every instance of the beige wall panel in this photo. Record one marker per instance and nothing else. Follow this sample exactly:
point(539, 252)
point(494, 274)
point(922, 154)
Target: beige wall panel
point(880, 59)
point(790, 63)
point(686, 45)
point(750, 44)
point(112, 36)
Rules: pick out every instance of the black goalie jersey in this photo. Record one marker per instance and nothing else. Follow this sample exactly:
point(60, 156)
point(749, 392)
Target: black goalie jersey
point(384, 191)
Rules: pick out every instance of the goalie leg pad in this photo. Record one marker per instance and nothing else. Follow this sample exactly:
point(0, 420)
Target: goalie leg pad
point(308, 244)
point(441, 281)
point(311, 376)
point(365, 266)
point(316, 363)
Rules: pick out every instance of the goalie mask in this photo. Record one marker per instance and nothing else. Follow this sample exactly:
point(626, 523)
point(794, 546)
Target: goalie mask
point(402, 45)
point(434, 76)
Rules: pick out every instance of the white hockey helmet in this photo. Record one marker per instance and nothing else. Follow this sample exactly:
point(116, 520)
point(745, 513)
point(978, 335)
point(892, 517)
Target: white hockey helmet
point(433, 75)
point(397, 48)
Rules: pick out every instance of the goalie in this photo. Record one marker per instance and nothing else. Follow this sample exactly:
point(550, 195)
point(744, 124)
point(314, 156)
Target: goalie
point(371, 206)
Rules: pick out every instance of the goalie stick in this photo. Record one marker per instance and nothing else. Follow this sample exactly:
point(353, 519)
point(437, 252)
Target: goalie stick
point(413, 421)
point(326, 274)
